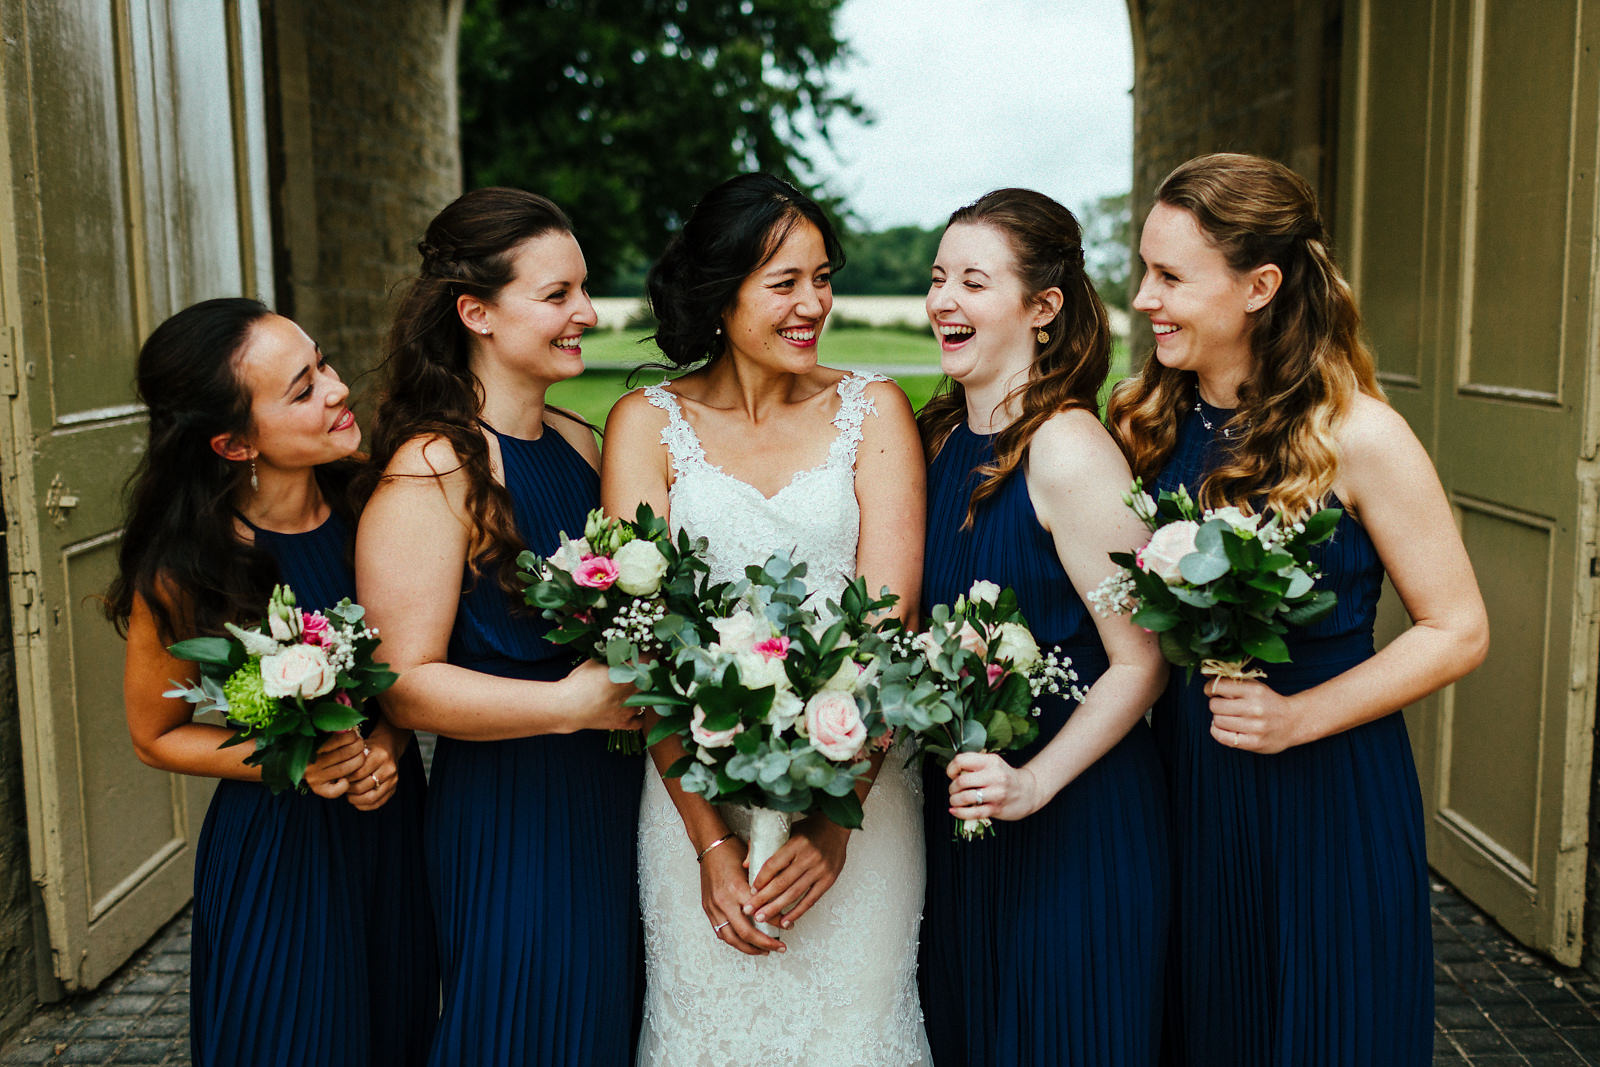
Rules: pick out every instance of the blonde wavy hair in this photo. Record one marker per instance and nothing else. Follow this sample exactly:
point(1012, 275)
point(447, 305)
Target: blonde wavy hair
point(1309, 359)
point(1069, 368)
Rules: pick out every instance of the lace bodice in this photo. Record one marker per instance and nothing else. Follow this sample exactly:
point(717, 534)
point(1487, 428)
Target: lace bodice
point(815, 517)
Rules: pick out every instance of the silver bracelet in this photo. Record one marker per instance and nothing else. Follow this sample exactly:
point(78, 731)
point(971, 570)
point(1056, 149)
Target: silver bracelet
point(714, 844)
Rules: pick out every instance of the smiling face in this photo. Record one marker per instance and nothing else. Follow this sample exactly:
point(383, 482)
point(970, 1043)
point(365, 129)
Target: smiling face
point(1199, 307)
point(536, 321)
point(780, 307)
point(980, 310)
point(298, 413)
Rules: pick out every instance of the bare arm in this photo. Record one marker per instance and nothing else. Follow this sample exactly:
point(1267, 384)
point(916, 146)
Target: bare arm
point(1387, 479)
point(891, 488)
point(1076, 478)
point(411, 553)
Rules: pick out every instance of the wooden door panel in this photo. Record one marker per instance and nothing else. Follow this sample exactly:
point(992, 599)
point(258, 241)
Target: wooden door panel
point(137, 200)
point(1491, 369)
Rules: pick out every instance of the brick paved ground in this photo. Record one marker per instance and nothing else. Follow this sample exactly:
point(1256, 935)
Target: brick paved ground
point(1498, 1004)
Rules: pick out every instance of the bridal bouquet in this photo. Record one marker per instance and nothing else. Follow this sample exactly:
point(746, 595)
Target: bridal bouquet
point(968, 683)
point(772, 698)
point(287, 683)
point(1219, 587)
point(609, 591)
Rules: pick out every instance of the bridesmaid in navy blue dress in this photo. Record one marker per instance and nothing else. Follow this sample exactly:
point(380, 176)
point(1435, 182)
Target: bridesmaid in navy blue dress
point(313, 939)
point(1301, 935)
point(1045, 943)
point(531, 822)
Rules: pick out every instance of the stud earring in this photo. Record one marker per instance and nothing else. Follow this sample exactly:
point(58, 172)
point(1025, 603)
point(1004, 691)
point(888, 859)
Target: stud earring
point(1041, 336)
point(255, 483)
point(484, 331)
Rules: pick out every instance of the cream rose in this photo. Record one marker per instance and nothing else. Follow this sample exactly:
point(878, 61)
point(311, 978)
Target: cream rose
point(971, 639)
point(640, 568)
point(740, 631)
point(573, 551)
point(1237, 519)
point(299, 670)
point(983, 592)
point(1166, 549)
point(1013, 644)
point(834, 726)
point(757, 671)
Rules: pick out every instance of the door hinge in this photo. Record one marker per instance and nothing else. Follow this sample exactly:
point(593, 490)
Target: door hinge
point(30, 603)
point(8, 360)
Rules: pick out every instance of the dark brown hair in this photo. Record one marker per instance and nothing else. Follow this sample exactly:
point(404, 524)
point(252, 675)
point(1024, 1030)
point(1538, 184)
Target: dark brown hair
point(429, 390)
point(1068, 369)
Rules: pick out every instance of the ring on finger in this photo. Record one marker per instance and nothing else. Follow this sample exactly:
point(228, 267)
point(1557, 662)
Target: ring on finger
point(979, 792)
point(375, 780)
point(717, 929)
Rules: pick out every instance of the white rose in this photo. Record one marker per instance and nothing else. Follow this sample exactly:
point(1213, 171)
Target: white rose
point(834, 726)
point(757, 671)
point(571, 553)
point(740, 631)
point(1237, 519)
point(1016, 646)
point(711, 738)
point(983, 592)
point(786, 708)
point(640, 568)
point(1166, 549)
point(846, 677)
point(299, 670)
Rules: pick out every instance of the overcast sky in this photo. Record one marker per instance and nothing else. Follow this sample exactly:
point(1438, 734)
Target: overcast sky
point(972, 95)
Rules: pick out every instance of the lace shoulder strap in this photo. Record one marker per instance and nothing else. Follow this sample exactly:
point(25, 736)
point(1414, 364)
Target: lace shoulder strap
point(854, 407)
point(683, 444)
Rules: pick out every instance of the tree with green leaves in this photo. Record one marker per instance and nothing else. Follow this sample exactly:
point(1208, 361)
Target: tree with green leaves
point(625, 111)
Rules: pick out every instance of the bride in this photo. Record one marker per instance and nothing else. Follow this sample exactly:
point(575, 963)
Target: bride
point(759, 449)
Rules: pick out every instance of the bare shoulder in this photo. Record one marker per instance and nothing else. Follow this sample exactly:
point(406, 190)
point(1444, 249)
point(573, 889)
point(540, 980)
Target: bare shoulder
point(424, 456)
point(1071, 447)
point(633, 413)
point(1373, 432)
point(888, 399)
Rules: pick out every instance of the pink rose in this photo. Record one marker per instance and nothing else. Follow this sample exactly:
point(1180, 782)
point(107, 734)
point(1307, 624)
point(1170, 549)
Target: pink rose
point(995, 672)
point(596, 572)
point(314, 629)
point(1166, 550)
point(299, 670)
point(711, 738)
point(341, 697)
point(773, 648)
point(834, 726)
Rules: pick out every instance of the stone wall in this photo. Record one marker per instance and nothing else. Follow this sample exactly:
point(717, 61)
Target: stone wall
point(365, 152)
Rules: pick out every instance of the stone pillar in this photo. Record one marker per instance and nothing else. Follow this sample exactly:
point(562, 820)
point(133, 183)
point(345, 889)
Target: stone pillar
point(365, 152)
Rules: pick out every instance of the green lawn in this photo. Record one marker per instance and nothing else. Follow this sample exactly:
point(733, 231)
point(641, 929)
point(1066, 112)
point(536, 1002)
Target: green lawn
point(612, 354)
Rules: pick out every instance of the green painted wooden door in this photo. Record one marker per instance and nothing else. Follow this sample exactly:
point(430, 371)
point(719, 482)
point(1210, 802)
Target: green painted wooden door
point(131, 184)
point(1468, 210)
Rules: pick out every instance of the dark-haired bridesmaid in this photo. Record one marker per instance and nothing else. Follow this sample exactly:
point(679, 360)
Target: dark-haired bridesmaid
point(1045, 944)
point(313, 941)
point(531, 821)
point(1301, 931)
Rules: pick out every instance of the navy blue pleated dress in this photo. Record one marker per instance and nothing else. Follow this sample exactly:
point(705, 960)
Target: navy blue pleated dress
point(313, 935)
point(1043, 944)
point(1301, 935)
point(532, 842)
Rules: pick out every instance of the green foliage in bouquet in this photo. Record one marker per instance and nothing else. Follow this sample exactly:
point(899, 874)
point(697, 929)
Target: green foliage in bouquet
point(287, 683)
point(770, 697)
point(1219, 588)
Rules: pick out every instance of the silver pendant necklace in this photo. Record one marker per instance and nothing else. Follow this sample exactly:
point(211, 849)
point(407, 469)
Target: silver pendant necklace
point(1227, 431)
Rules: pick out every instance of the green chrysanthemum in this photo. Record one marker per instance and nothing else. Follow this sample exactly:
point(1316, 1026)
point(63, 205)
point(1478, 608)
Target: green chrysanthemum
point(248, 702)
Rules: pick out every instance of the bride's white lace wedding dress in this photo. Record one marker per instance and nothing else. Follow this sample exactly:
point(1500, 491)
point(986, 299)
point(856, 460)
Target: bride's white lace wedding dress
point(845, 991)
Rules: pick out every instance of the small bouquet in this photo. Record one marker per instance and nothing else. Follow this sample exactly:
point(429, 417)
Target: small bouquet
point(772, 698)
point(968, 683)
point(287, 682)
point(1219, 587)
point(611, 590)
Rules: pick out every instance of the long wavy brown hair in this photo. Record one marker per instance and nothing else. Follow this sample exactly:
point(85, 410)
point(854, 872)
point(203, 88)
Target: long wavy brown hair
point(429, 390)
point(1309, 360)
point(1068, 369)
